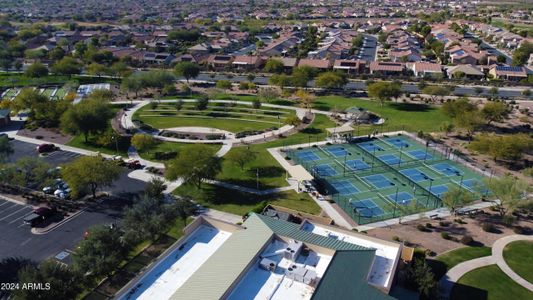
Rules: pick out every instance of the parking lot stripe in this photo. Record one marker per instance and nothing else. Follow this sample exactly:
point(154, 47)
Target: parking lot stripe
point(24, 207)
point(24, 214)
point(5, 202)
point(4, 209)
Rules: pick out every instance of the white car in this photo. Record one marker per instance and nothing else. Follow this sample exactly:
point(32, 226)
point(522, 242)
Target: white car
point(47, 190)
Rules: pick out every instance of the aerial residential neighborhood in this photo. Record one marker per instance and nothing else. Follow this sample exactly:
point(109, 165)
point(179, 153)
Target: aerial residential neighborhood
point(232, 149)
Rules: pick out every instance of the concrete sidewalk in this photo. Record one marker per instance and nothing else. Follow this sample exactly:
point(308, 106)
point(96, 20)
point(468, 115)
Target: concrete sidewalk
point(454, 274)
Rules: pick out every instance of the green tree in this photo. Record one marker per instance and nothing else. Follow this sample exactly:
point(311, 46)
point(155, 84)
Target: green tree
point(26, 171)
point(302, 75)
point(202, 102)
point(422, 275)
point(148, 218)
point(331, 80)
point(501, 58)
point(447, 127)
point(242, 156)
point(293, 120)
point(280, 80)
point(87, 117)
point(64, 282)
point(223, 84)
point(493, 91)
point(101, 252)
point(97, 69)
point(453, 108)
point(155, 188)
point(436, 91)
point(274, 65)
point(306, 99)
point(456, 197)
point(66, 66)
point(384, 91)
point(521, 55)
point(494, 111)
point(526, 93)
point(508, 193)
point(187, 69)
point(470, 121)
point(507, 147)
point(131, 84)
point(268, 94)
point(256, 104)
point(36, 70)
point(143, 142)
point(179, 105)
point(194, 164)
point(6, 149)
point(90, 173)
point(184, 208)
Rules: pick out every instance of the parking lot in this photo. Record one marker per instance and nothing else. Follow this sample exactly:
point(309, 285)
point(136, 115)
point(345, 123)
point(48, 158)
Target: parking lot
point(16, 238)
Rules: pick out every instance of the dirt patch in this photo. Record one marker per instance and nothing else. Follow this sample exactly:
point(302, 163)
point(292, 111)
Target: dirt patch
point(432, 239)
point(52, 135)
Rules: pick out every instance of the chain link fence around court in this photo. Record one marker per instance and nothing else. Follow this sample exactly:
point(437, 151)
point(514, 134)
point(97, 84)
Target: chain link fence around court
point(372, 187)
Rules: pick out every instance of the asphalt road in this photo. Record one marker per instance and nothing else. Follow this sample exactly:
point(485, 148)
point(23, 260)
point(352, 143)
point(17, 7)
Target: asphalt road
point(16, 238)
point(361, 85)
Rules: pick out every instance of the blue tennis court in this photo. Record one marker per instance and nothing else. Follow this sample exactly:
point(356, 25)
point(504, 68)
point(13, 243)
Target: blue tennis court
point(402, 198)
point(337, 151)
point(420, 154)
point(308, 155)
point(397, 142)
point(325, 170)
point(379, 181)
point(439, 190)
point(447, 169)
point(474, 185)
point(415, 175)
point(357, 164)
point(344, 187)
point(370, 147)
point(390, 159)
point(367, 208)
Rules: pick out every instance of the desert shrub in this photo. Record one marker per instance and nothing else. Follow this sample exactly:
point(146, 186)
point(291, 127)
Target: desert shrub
point(508, 220)
point(429, 225)
point(445, 235)
point(466, 240)
point(396, 238)
point(488, 227)
point(518, 229)
point(444, 223)
point(421, 227)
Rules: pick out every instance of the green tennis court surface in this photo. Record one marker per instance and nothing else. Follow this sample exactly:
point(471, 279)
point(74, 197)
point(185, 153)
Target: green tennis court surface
point(383, 178)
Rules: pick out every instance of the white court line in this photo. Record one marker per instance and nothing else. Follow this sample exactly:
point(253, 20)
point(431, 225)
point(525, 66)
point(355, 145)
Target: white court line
point(12, 213)
point(22, 217)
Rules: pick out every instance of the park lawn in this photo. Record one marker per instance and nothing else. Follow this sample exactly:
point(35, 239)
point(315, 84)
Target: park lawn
point(240, 203)
point(271, 174)
point(519, 257)
point(457, 256)
point(398, 115)
point(488, 283)
point(170, 147)
point(200, 121)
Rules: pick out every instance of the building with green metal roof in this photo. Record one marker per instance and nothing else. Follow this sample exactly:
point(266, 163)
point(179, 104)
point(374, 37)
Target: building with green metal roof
point(275, 259)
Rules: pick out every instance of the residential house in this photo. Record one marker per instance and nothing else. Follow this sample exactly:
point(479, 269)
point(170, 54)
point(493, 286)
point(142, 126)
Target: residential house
point(508, 73)
point(247, 62)
point(321, 64)
point(289, 63)
point(466, 71)
point(386, 68)
point(219, 61)
point(280, 46)
point(349, 66)
point(425, 69)
point(158, 58)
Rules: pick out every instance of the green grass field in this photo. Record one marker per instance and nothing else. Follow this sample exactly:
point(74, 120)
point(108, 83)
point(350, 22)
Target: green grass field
point(240, 203)
point(169, 147)
point(457, 256)
point(271, 174)
point(233, 118)
point(488, 283)
point(519, 257)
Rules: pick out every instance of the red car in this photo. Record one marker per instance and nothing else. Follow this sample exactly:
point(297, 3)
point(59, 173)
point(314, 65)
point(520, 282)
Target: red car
point(40, 214)
point(44, 148)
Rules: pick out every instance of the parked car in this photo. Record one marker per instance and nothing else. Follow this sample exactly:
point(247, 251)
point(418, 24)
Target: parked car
point(134, 164)
point(44, 148)
point(39, 215)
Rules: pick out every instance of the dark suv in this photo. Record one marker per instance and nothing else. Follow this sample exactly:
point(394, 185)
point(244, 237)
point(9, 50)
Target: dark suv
point(44, 148)
point(39, 215)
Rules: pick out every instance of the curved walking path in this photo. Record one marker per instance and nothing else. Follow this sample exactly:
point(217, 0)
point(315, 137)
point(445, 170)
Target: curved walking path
point(454, 274)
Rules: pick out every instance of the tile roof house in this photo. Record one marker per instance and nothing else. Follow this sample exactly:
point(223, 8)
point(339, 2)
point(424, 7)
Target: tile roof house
point(219, 62)
point(386, 68)
point(350, 66)
point(247, 62)
point(322, 64)
point(468, 71)
point(425, 69)
point(508, 73)
point(280, 46)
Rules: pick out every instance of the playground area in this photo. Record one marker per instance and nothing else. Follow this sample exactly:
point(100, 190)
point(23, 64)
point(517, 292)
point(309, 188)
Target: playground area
point(374, 179)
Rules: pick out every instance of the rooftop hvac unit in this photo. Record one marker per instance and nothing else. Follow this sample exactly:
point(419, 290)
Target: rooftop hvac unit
point(310, 278)
point(268, 264)
point(293, 250)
